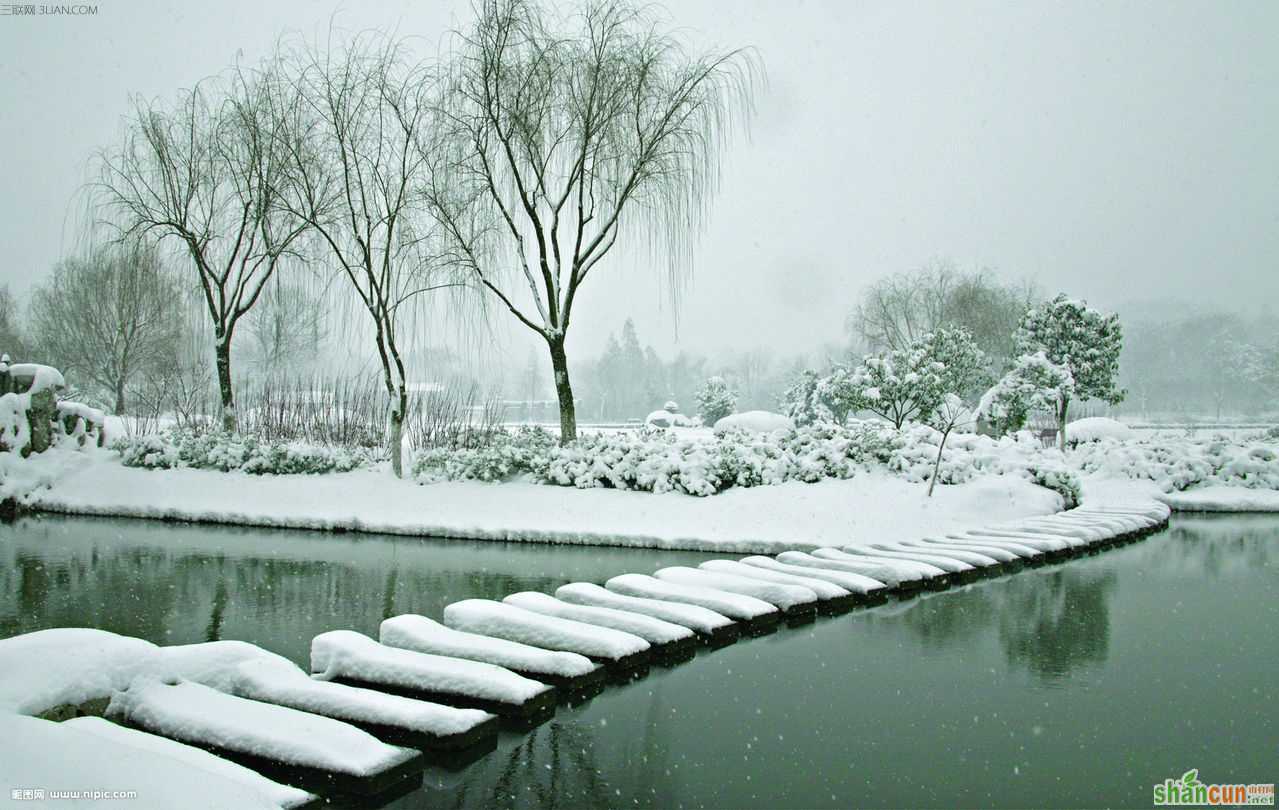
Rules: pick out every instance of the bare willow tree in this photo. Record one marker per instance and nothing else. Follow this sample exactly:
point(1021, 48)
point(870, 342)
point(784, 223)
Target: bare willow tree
point(356, 115)
point(565, 132)
point(108, 317)
point(204, 173)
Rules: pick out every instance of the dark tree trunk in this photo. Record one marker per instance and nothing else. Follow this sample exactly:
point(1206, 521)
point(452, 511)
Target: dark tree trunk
point(222, 350)
point(119, 398)
point(1061, 423)
point(563, 390)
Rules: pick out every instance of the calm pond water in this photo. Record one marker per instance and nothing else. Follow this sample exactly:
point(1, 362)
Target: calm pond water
point(1079, 684)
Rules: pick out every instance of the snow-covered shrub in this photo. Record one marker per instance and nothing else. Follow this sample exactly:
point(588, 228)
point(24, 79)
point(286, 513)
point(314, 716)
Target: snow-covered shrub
point(1096, 428)
point(227, 452)
point(1273, 433)
point(801, 401)
point(754, 422)
point(716, 400)
point(1177, 463)
point(508, 454)
point(1035, 384)
point(1056, 477)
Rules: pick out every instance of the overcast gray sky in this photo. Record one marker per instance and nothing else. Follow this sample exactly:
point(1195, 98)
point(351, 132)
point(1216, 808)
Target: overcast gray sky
point(1112, 150)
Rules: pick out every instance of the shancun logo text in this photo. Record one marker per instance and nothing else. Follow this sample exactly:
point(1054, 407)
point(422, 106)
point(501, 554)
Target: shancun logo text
point(1188, 791)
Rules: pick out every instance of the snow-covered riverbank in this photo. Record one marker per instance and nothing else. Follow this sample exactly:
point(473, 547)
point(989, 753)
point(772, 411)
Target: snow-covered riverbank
point(757, 520)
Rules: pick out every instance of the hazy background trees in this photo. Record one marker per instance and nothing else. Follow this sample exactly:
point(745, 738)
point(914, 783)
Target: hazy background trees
point(108, 319)
point(205, 173)
point(12, 341)
point(903, 307)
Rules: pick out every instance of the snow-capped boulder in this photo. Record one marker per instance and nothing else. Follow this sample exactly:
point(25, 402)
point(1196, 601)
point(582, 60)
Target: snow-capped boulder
point(754, 422)
point(1096, 428)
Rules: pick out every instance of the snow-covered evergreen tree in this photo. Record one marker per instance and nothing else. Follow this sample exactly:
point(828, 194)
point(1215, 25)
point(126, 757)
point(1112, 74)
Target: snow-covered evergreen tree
point(899, 385)
point(716, 400)
point(1084, 341)
point(1034, 384)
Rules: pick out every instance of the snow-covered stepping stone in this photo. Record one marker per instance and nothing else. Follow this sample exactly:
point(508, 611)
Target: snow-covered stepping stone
point(831, 598)
point(1048, 545)
point(1025, 552)
point(357, 660)
point(930, 576)
point(404, 721)
point(155, 746)
point(420, 634)
point(736, 606)
point(1001, 556)
point(863, 587)
point(973, 558)
point(613, 647)
point(663, 636)
point(313, 752)
point(950, 570)
point(34, 751)
point(958, 570)
point(894, 578)
point(792, 600)
point(714, 627)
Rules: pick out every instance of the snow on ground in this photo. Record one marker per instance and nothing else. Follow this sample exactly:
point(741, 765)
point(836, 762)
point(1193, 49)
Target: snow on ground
point(1223, 499)
point(756, 520)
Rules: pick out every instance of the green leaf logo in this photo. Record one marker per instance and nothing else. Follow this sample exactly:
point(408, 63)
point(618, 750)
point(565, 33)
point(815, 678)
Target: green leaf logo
point(1190, 777)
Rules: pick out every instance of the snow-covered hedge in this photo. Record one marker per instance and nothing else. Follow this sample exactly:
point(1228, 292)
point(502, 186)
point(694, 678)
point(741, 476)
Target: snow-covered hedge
point(1181, 463)
point(526, 450)
point(217, 450)
point(661, 461)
